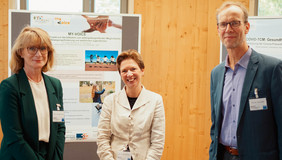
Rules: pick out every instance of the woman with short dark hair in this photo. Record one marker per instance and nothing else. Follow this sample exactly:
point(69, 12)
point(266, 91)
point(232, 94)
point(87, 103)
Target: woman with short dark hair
point(132, 121)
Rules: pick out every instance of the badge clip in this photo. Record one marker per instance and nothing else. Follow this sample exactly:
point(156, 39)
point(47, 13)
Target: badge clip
point(256, 93)
point(58, 107)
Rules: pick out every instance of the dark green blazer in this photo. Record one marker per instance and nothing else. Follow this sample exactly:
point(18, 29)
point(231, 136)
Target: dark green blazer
point(259, 133)
point(19, 120)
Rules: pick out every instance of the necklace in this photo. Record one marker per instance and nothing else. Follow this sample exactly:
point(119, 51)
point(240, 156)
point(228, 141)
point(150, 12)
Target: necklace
point(33, 80)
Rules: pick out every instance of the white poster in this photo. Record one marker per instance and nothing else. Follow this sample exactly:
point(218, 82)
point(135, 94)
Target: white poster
point(265, 36)
point(86, 48)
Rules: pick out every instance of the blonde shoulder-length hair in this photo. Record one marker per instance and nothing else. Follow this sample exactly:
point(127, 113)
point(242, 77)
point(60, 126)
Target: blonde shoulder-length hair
point(31, 36)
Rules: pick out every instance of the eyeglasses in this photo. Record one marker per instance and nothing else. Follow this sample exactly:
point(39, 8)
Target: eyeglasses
point(33, 50)
point(233, 24)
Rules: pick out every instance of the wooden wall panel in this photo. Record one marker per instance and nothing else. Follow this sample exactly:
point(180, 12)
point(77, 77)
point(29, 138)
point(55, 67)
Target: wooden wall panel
point(180, 46)
point(3, 39)
point(4, 5)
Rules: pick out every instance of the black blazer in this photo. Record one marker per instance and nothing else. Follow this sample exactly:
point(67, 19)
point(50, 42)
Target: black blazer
point(19, 120)
point(259, 133)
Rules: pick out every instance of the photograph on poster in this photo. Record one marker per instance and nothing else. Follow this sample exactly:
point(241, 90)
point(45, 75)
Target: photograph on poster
point(96, 111)
point(95, 91)
point(97, 60)
point(100, 23)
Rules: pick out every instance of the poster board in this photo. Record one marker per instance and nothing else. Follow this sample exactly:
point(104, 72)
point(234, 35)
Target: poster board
point(84, 58)
point(265, 37)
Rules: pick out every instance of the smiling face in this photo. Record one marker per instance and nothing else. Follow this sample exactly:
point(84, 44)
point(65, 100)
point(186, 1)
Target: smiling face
point(34, 39)
point(233, 37)
point(36, 61)
point(131, 74)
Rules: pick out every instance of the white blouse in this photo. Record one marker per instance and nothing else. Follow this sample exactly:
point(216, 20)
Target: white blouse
point(42, 109)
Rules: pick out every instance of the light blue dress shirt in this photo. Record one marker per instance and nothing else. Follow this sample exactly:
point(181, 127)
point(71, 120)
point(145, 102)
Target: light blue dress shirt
point(232, 90)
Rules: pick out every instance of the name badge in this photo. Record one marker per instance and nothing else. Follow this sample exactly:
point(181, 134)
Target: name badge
point(258, 104)
point(58, 116)
point(124, 155)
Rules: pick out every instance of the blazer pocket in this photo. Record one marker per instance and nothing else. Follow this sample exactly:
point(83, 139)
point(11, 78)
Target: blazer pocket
point(261, 93)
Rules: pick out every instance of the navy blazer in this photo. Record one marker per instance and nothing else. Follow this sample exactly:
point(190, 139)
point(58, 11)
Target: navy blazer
point(19, 119)
point(259, 133)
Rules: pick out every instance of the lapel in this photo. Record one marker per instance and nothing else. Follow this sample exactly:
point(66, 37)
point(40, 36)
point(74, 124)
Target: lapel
point(28, 110)
point(250, 75)
point(51, 93)
point(219, 78)
point(123, 100)
point(141, 100)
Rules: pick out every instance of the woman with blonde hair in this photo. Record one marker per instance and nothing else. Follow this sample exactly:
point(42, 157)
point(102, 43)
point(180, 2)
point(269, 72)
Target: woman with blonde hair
point(31, 103)
point(132, 121)
point(96, 94)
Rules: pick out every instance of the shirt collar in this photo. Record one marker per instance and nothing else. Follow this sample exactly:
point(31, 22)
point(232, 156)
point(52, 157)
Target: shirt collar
point(244, 61)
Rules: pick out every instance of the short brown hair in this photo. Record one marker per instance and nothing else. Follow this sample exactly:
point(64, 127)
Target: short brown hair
point(130, 54)
point(30, 36)
point(229, 4)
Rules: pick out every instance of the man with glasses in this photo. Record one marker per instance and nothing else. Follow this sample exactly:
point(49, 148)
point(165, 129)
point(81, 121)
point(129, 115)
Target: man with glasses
point(246, 95)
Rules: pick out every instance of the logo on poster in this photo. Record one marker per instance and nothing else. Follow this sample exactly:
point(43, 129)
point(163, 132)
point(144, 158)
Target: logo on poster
point(40, 19)
point(81, 136)
point(59, 20)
